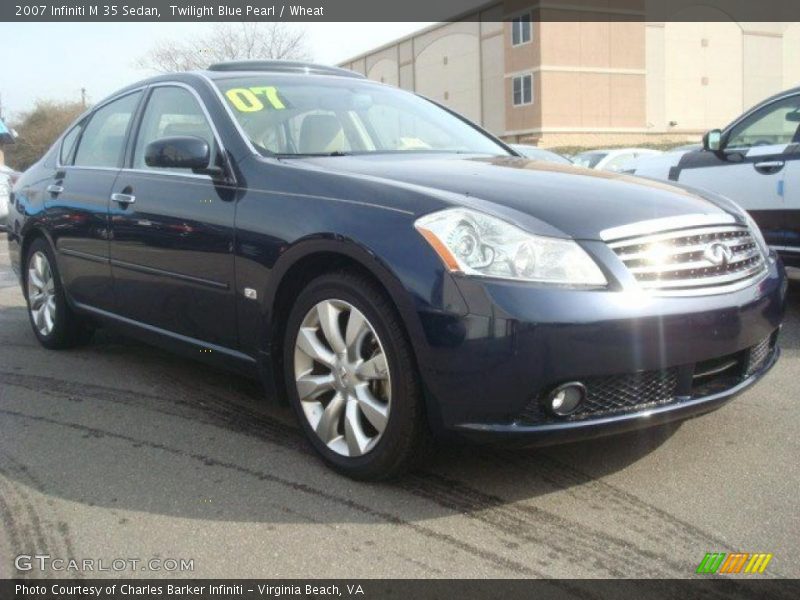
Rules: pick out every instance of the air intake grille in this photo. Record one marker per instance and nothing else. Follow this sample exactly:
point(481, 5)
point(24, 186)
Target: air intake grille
point(618, 393)
point(692, 259)
point(758, 355)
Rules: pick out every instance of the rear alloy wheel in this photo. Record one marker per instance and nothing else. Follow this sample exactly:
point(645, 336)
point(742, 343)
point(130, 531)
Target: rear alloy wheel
point(41, 293)
point(55, 324)
point(351, 377)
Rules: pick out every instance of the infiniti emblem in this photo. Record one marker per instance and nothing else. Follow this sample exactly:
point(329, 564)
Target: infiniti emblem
point(718, 254)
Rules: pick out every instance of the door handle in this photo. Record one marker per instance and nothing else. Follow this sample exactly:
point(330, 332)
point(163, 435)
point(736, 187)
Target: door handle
point(769, 165)
point(55, 189)
point(123, 198)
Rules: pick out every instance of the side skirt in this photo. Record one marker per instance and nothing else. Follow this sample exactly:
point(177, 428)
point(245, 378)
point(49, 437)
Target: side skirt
point(180, 344)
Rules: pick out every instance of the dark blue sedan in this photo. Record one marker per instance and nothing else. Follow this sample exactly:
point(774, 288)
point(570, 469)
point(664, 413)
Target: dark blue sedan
point(387, 267)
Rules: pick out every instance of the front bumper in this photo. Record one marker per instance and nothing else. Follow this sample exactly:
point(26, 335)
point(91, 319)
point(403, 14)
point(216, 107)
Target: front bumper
point(544, 434)
point(486, 369)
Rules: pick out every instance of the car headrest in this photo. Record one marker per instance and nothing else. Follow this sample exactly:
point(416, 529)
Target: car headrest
point(321, 134)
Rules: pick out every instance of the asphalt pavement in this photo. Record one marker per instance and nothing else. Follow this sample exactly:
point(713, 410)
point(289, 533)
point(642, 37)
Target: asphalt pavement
point(122, 451)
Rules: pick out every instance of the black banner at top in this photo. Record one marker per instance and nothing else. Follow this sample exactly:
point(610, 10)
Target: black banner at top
point(391, 10)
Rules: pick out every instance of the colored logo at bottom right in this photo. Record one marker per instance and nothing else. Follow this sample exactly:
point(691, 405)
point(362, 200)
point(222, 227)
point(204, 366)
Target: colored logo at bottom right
point(735, 562)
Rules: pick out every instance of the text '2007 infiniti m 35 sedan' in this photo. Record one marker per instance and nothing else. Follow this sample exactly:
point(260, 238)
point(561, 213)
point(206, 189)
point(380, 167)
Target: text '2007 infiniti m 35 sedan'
point(388, 268)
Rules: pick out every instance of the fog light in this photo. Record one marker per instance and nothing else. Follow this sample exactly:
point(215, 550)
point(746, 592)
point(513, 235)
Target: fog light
point(566, 399)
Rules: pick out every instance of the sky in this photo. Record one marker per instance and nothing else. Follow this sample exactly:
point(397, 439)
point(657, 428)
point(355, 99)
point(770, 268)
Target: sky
point(53, 61)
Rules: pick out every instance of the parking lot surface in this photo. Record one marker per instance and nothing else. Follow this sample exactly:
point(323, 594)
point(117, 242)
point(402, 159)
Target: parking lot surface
point(120, 450)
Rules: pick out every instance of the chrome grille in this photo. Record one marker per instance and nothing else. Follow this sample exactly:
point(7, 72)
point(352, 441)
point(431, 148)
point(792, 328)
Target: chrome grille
point(694, 259)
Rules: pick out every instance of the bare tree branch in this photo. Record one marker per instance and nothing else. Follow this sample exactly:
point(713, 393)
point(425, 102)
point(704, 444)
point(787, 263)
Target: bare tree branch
point(228, 41)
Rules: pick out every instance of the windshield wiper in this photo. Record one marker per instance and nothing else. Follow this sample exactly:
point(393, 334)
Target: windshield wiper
point(313, 154)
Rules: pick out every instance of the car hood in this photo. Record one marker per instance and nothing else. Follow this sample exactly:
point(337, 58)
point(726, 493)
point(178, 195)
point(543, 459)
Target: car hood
point(577, 202)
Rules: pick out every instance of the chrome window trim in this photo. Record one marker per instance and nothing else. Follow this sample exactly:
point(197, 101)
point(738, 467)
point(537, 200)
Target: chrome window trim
point(665, 224)
point(145, 88)
point(229, 112)
point(85, 168)
point(88, 114)
point(212, 125)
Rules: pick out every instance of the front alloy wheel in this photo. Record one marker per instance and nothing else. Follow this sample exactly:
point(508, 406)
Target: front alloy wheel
point(352, 379)
point(342, 377)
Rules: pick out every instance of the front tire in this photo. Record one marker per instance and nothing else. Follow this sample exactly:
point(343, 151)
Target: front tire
point(54, 323)
point(351, 378)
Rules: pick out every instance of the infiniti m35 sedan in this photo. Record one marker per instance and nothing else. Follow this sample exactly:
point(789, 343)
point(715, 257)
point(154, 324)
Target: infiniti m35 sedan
point(388, 268)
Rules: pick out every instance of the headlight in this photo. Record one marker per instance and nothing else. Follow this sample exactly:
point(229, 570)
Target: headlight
point(476, 244)
point(755, 231)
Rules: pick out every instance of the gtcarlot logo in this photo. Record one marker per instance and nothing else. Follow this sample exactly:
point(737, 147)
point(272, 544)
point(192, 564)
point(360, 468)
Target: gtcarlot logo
point(45, 562)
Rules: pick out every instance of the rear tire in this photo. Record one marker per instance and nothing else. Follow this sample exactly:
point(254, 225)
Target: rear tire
point(54, 323)
point(352, 380)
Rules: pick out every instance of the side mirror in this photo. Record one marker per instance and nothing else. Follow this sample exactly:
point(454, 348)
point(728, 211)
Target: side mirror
point(712, 140)
point(183, 152)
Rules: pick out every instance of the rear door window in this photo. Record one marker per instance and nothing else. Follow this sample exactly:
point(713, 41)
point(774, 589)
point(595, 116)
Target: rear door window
point(103, 141)
point(68, 145)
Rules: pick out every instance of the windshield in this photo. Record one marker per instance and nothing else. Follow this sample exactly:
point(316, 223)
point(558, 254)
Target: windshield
point(589, 159)
point(295, 116)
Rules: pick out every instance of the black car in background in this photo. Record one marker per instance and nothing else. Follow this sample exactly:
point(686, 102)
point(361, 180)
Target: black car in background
point(387, 267)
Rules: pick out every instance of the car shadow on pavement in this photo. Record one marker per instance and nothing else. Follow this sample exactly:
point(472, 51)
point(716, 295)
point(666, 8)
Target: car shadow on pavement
point(123, 425)
point(131, 427)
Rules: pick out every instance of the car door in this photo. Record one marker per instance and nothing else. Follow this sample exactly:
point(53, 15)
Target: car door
point(752, 167)
point(173, 229)
point(790, 249)
point(77, 199)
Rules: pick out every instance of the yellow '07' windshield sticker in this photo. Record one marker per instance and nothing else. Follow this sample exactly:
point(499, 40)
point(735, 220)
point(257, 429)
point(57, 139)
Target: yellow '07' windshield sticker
point(247, 99)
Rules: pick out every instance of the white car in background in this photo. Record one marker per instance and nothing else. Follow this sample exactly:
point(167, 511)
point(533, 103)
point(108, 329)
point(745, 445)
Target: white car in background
point(656, 165)
point(613, 159)
point(754, 161)
point(7, 178)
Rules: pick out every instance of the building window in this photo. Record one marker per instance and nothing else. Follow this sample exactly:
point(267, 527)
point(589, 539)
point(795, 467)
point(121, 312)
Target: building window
point(522, 88)
point(520, 30)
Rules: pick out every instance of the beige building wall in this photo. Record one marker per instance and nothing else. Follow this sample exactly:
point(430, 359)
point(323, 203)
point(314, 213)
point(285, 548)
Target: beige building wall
point(703, 75)
point(493, 83)
point(592, 77)
point(447, 67)
point(762, 65)
point(522, 122)
point(595, 82)
point(405, 54)
point(386, 71)
point(791, 55)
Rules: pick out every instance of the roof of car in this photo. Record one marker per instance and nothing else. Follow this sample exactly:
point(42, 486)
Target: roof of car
point(242, 67)
point(280, 66)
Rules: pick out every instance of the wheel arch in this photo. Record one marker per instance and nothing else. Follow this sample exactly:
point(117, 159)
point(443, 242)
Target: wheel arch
point(32, 233)
point(309, 259)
